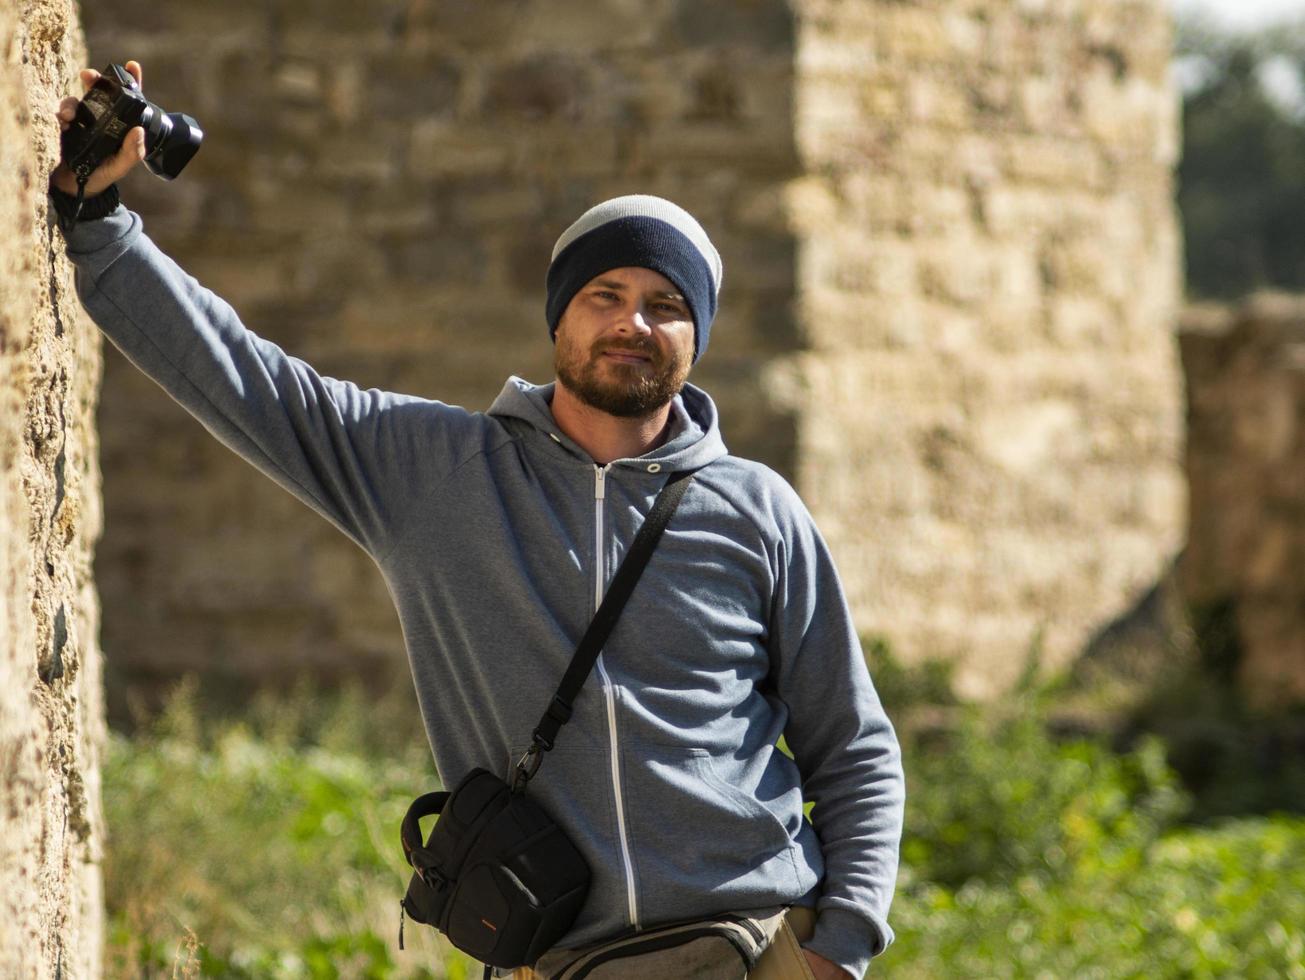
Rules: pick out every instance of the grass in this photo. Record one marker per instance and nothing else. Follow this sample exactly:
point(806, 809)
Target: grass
point(264, 844)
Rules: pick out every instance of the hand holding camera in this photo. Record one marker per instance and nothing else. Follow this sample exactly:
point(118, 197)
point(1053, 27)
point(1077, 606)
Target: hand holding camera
point(114, 127)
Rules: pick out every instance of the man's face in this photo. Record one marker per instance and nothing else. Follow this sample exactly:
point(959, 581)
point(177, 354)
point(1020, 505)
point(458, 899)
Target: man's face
point(625, 342)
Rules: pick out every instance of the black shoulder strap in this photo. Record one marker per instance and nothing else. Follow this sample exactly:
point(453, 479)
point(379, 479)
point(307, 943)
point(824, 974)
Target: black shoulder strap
point(558, 712)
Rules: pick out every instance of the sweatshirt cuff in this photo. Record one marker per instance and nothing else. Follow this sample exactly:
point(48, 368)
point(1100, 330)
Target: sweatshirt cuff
point(95, 245)
point(92, 208)
point(848, 939)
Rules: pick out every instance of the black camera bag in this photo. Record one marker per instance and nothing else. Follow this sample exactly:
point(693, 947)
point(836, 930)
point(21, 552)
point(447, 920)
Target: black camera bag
point(497, 875)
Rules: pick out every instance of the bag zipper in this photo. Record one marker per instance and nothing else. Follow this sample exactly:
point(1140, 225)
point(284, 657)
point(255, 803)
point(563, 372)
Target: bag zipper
point(652, 945)
point(600, 494)
point(748, 924)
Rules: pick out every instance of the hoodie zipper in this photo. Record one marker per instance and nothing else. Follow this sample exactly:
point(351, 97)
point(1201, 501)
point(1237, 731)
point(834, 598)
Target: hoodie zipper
point(600, 494)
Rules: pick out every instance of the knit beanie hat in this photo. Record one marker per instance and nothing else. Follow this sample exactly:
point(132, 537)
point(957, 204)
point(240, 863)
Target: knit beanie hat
point(644, 231)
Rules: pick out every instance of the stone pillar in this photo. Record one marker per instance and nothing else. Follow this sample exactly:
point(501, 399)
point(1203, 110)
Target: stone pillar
point(1246, 463)
point(51, 727)
point(988, 278)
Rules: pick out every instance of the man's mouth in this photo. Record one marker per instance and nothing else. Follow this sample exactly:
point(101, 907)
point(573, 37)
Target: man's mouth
point(628, 357)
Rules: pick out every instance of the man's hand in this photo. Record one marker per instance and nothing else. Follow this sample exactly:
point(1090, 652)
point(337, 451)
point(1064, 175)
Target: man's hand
point(824, 969)
point(131, 153)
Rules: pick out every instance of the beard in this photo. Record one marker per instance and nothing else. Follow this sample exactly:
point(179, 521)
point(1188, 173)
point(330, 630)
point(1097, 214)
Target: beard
point(618, 388)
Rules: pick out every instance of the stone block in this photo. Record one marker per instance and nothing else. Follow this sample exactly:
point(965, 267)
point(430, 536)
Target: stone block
point(831, 54)
point(1026, 438)
point(887, 267)
point(609, 26)
point(441, 148)
point(754, 25)
point(748, 150)
point(1079, 323)
point(540, 152)
point(538, 87)
point(1054, 163)
point(955, 270)
point(404, 85)
point(937, 101)
point(432, 257)
point(469, 26)
point(912, 35)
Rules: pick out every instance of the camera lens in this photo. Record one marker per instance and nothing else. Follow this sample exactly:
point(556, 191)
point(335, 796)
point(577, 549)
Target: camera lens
point(156, 125)
point(171, 139)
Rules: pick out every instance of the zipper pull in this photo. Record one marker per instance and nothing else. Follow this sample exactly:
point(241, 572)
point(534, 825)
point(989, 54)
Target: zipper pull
point(600, 488)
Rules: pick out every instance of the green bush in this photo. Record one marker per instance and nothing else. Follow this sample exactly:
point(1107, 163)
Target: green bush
point(267, 847)
point(998, 798)
point(250, 849)
point(1029, 856)
point(1195, 903)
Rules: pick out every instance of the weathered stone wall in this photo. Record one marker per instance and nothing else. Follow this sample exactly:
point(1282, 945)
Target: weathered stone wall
point(51, 726)
point(951, 274)
point(988, 283)
point(1245, 370)
point(379, 191)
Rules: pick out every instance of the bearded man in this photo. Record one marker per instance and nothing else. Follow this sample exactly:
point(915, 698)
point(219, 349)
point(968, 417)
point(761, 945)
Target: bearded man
point(498, 532)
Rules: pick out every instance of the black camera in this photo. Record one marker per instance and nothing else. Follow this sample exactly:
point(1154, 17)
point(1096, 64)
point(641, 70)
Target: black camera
point(109, 110)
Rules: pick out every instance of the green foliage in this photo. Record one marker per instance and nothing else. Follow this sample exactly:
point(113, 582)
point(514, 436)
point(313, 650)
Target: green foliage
point(248, 849)
point(1025, 855)
point(1031, 855)
point(1242, 174)
point(997, 799)
point(252, 849)
point(1195, 903)
point(904, 687)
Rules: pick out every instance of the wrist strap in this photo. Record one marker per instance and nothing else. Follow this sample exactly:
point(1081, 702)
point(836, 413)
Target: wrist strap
point(71, 209)
point(558, 712)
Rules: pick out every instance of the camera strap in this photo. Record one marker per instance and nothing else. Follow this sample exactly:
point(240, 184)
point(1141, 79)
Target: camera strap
point(82, 177)
point(558, 712)
point(67, 208)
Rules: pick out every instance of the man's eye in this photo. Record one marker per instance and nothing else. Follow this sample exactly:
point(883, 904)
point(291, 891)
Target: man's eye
point(670, 308)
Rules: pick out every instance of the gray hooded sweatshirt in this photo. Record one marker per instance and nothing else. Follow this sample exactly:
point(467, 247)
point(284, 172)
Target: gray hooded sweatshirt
point(497, 535)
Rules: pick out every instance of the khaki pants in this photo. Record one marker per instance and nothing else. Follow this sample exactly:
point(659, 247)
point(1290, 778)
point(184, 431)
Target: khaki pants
point(782, 960)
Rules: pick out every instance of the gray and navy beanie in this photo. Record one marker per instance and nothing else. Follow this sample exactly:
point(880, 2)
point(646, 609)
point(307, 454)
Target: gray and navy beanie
point(644, 231)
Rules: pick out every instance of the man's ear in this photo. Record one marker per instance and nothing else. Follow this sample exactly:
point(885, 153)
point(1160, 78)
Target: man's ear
point(561, 321)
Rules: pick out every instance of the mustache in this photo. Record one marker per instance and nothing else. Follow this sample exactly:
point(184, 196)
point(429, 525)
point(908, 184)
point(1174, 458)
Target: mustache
point(648, 352)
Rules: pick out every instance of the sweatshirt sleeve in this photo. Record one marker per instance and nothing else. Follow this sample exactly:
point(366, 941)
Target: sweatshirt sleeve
point(336, 447)
point(844, 745)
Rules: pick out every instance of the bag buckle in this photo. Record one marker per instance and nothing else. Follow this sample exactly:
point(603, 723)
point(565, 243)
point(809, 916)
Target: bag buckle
point(432, 878)
point(526, 767)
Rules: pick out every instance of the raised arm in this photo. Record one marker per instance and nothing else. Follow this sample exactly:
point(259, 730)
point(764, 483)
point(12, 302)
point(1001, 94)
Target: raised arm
point(346, 452)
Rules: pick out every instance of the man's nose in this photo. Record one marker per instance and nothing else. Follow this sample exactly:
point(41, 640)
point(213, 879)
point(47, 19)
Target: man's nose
point(638, 319)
